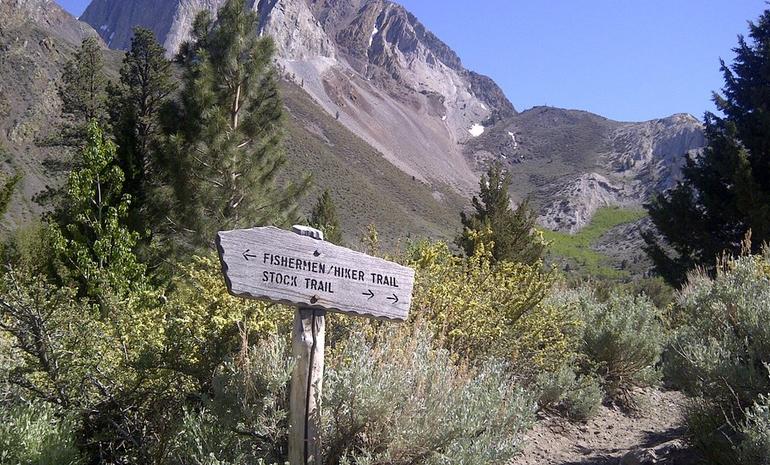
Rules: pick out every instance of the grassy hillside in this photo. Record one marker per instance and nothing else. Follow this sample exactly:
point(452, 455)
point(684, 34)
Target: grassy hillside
point(575, 251)
point(366, 188)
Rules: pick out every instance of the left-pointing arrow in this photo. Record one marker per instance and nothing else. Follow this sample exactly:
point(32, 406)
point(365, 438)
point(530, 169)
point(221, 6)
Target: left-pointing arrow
point(247, 255)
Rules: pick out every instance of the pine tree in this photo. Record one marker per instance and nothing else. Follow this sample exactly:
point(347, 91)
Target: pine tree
point(512, 231)
point(82, 88)
point(324, 217)
point(224, 154)
point(725, 193)
point(135, 104)
point(6, 192)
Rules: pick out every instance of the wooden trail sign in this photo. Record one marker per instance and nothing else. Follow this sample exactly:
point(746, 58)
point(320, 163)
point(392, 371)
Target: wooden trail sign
point(300, 269)
point(281, 266)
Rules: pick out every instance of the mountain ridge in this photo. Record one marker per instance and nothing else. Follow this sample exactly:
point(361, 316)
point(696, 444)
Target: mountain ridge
point(375, 67)
point(390, 80)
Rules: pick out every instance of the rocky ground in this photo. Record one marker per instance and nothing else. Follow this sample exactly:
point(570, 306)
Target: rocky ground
point(612, 437)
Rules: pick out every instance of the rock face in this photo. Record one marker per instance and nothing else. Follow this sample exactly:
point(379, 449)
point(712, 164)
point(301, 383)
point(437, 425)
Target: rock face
point(573, 162)
point(43, 15)
point(370, 63)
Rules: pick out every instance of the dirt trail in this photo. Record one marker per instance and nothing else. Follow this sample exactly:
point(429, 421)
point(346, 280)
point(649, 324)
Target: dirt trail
point(606, 438)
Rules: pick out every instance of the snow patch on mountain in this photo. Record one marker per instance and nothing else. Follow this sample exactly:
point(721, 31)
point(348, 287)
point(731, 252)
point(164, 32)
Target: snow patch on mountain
point(476, 130)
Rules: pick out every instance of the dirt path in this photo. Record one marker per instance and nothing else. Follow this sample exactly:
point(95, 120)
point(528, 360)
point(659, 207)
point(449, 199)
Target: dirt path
point(606, 438)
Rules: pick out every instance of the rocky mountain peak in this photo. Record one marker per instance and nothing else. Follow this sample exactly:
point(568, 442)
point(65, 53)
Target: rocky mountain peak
point(369, 63)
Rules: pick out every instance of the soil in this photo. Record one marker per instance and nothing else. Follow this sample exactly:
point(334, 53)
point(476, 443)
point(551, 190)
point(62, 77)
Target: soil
point(610, 435)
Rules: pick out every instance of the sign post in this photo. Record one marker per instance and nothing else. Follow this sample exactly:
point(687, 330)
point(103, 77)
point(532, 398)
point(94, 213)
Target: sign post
point(300, 269)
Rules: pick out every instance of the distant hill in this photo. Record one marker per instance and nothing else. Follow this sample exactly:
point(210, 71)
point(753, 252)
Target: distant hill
point(571, 163)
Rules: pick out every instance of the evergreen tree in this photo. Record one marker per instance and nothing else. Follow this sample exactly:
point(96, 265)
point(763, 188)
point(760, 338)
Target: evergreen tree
point(725, 193)
point(324, 217)
point(82, 89)
point(512, 231)
point(135, 104)
point(224, 149)
point(6, 192)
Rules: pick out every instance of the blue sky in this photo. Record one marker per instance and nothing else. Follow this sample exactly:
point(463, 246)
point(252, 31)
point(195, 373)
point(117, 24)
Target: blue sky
point(628, 60)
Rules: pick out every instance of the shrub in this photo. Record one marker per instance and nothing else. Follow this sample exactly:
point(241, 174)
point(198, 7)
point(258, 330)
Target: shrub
point(398, 400)
point(549, 337)
point(755, 431)
point(245, 419)
point(578, 396)
point(9, 361)
point(710, 433)
point(472, 304)
point(402, 401)
point(624, 339)
point(605, 348)
point(582, 402)
point(723, 343)
point(33, 434)
point(720, 352)
point(203, 324)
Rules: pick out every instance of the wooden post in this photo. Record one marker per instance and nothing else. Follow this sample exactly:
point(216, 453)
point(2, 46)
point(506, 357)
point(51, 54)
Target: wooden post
point(308, 338)
point(308, 342)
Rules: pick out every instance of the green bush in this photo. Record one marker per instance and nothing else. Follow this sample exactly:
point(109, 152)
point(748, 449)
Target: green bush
point(607, 348)
point(722, 344)
point(578, 396)
point(549, 336)
point(32, 434)
point(719, 355)
point(245, 419)
point(402, 401)
point(473, 303)
point(711, 433)
point(624, 338)
point(397, 401)
point(582, 402)
point(755, 430)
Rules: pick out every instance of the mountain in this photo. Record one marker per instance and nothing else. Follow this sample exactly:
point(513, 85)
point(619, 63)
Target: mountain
point(389, 80)
point(573, 162)
point(37, 38)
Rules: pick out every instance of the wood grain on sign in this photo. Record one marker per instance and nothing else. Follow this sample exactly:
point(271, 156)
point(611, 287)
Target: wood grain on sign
point(273, 264)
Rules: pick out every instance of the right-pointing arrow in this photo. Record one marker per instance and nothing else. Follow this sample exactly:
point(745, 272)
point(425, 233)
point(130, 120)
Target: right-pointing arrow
point(370, 294)
point(394, 299)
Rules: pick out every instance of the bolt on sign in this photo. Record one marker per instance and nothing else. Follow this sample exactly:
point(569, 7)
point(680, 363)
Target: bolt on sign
point(300, 269)
point(282, 266)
